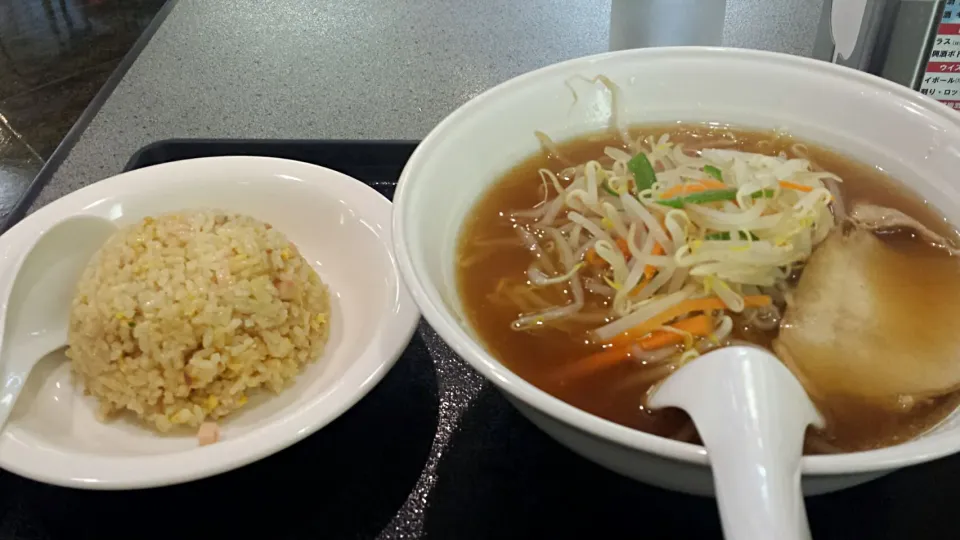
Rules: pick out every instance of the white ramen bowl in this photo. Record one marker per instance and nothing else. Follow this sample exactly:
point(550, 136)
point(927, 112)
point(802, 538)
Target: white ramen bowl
point(342, 228)
point(913, 138)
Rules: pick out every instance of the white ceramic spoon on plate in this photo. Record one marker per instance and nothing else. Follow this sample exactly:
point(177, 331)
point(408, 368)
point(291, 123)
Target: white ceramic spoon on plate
point(752, 414)
point(37, 303)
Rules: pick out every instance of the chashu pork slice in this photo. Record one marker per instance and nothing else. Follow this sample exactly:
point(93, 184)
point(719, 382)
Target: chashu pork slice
point(874, 321)
point(878, 218)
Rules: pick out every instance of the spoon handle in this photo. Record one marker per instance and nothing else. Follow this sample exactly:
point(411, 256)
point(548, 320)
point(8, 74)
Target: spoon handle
point(758, 488)
point(752, 415)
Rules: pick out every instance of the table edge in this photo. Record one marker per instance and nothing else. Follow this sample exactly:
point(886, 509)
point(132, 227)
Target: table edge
point(29, 196)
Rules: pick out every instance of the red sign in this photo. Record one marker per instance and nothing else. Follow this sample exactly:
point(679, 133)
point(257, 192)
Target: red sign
point(943, 67)
point(949, 29)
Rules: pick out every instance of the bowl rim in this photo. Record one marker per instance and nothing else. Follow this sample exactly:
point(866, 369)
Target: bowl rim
point(913, 452)
point(386, 340)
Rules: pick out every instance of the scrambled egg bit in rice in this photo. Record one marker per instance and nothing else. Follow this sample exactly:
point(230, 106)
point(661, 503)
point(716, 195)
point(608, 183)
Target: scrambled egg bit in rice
point(178, 318)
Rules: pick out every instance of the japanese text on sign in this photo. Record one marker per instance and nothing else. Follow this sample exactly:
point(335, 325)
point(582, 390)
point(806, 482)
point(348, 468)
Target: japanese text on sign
point(942, 78)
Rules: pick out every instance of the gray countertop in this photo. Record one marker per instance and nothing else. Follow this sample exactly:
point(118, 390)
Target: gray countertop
point(354, 69)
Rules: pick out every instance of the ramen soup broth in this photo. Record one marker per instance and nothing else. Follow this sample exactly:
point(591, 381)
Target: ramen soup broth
point(495, 289)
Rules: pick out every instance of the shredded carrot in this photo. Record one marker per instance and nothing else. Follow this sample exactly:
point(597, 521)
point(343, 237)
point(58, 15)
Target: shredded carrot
point(608, 357)
point(698, 325)
point(650, 270)
point(660, 339)
point(713, 184)
point(595, 260)
point(687, 306)
point(693, 187)
point(799, 187)
point(682, 189)
point(592, 258)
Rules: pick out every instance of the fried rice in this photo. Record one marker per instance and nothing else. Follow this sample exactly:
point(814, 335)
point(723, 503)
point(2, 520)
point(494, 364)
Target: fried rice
point(178, 318)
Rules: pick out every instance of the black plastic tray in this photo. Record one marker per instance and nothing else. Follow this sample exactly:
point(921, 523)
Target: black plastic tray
point(377, 163)
point(434, 452)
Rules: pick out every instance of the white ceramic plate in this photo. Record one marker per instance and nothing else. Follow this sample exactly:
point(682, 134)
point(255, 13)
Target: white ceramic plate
point(341, 226)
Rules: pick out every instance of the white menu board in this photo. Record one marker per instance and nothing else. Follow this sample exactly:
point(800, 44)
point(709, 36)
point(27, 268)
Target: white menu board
point(942, 78)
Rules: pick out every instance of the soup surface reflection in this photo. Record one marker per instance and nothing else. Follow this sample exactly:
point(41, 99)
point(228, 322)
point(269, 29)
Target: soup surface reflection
point(494, 282)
